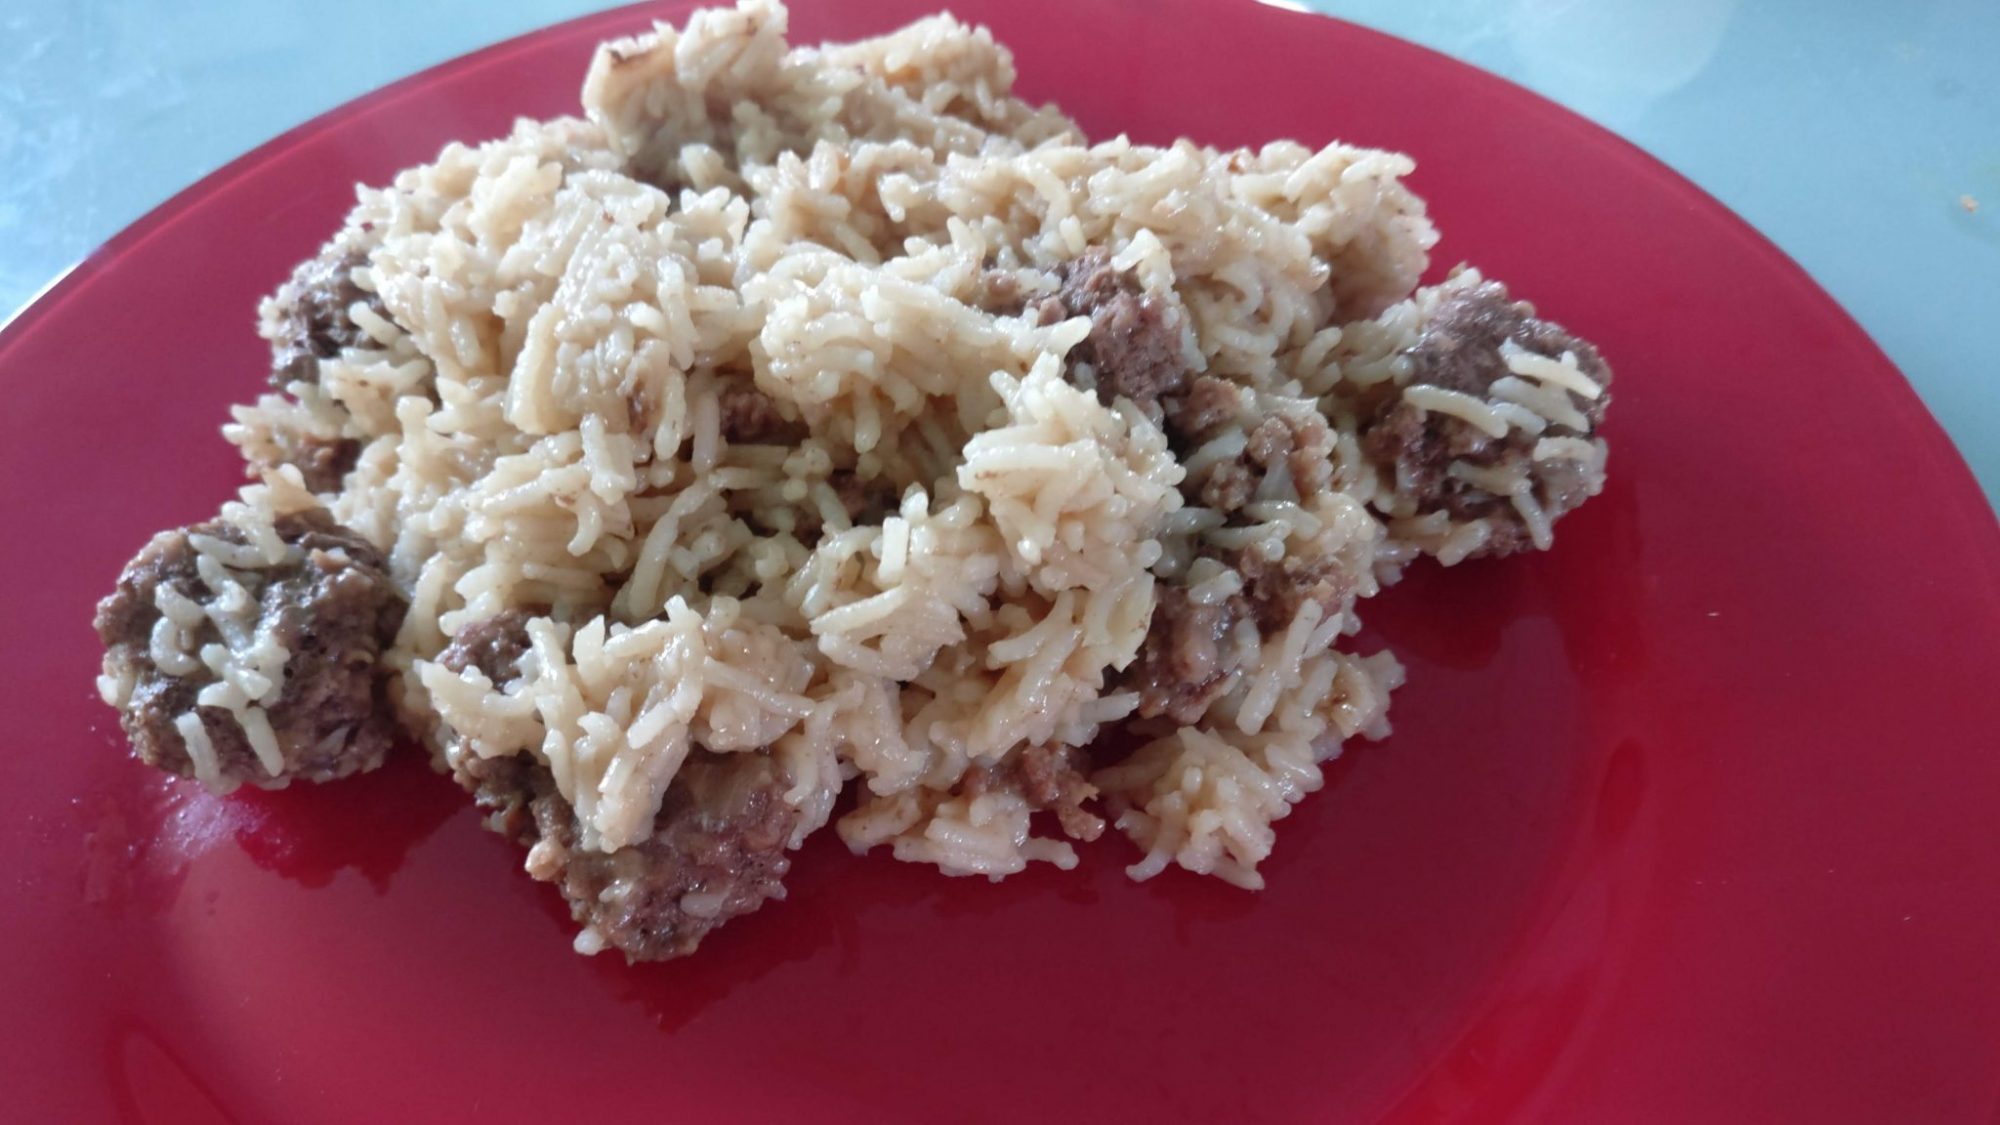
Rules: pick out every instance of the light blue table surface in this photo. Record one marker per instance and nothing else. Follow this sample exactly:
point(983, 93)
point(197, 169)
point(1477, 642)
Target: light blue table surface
point(1863, 138)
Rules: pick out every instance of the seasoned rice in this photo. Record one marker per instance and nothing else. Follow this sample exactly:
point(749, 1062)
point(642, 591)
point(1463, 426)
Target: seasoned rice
point(772, 396)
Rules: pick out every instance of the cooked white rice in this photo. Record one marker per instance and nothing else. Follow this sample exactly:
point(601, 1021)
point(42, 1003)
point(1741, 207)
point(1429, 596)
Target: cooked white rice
point(540, 425)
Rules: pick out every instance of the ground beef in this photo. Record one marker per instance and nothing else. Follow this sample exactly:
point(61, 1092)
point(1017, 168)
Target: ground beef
point(332, 607)
point(508, 789)
point(1210, 404)
point(1227, 486)
point(999, 292)
point(718, 849)
point(1050, 778)
point(1134, 347)
point(315, 316)
point(323, 462)
point(494, 646)
point(1300, 443)
point(1049, 310)
point(1186, 660)
point(1419, 446)
point(1459, 349)
point(749, 416)
point(1269, 443)
point(1277, 591)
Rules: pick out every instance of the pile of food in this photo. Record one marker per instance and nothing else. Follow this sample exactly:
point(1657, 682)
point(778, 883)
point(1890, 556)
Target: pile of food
point(809, 420)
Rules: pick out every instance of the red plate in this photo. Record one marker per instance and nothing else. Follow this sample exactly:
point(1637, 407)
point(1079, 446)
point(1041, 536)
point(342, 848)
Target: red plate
point(1688, 820)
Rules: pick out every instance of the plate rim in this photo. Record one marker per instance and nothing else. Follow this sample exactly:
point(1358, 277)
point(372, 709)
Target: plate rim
point(1965, 493)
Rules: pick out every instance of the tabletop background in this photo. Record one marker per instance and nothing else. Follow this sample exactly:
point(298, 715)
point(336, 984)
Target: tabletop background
point(1863, 138)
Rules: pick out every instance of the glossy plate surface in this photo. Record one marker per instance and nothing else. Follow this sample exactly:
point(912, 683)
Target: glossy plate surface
point(1690, 819)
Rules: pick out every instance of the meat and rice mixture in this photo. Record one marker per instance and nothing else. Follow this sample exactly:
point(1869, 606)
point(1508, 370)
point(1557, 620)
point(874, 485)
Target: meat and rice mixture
point(803, 420)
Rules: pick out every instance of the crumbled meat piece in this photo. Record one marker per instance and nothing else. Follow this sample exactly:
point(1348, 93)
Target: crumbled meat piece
point(1300, 444)
point(751, 417)
point(999, 292)
point(494, 646)
point(1278, 590)
point(1228, 486)
point(718, 848)
point(323, 463)
point(1311, 457)
point(1185, 661)
point(1269, 443)
point(1052, 778)
point(330, 605)
point(1458, 349)
point(1049, 778)
point(316, 317)
point(1133, 347)
point(1049, 310)
point(507, 789)
point(1415, 443)
point(1210, 402)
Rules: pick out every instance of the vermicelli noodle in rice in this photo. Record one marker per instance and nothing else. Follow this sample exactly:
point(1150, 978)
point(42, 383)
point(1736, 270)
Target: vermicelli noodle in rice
point(801, 420)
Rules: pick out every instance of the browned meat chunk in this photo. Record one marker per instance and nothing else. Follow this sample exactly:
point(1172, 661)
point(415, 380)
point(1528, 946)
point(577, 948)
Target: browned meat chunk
point(1049, 310)
point(1311, 456)
point(1049, 778)
point(330, 605)
point(1419, 447)
point(1052, 778)
point(1210, 403)
point(494, 646)
point(751, 417)
point(1186, 659)
point(999, 291)
point(316, 317)
point(1228, 486)
point(1278, 590)
point(1269, 443)
point(1134, 348)
point(718, 849)
point(324, 463)
point(1458, 349)
point(1300, 444)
